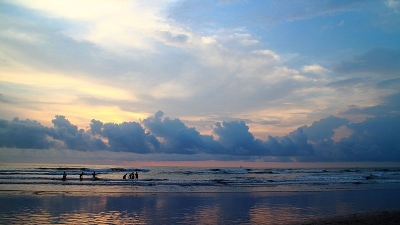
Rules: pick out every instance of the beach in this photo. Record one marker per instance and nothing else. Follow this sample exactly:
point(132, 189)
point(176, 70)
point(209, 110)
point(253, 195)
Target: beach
point(281, 208)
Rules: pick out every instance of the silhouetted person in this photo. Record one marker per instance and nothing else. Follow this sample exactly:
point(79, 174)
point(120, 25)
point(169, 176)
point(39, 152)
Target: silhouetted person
point(124, 177)
point(136, 175)
point(94, 175)
point(64, 176)
point(81, 176)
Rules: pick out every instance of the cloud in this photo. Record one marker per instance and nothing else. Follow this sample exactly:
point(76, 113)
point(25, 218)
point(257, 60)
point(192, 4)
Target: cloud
point(110, 25)
point(3, 99)
point(24, 134)
point(391, 83)
point(294, 144)
point(184, 65)
point(389, 105)
point(345, 83)
point(382, 61)
point(375, 139)
point(324, 128)
point(176, 137)
point(393, 4)
point(74, 138)
point(235, 136)
point(170, 37)
point(127, 136)
point(314, 69)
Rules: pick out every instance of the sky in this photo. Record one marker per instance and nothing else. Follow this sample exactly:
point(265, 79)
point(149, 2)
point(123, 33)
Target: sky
point(200, 80)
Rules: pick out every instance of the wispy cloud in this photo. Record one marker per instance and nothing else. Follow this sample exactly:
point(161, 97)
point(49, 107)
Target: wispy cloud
point(265, 63)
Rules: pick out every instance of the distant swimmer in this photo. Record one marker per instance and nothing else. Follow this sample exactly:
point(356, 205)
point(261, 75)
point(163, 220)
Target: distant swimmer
point(136, 175)
point(124, 177)
point(81, 176)
point(64, 176)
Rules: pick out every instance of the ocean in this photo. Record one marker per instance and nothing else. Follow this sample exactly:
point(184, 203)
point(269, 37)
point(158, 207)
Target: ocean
point(36, 194)
point(48, 177)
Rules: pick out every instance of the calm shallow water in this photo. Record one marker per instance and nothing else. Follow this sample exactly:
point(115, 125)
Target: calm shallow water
point(191, 208)
point(35, 194)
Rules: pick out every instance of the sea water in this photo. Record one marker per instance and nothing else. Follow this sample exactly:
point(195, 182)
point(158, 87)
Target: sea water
point(109, 178)
point(36, 194)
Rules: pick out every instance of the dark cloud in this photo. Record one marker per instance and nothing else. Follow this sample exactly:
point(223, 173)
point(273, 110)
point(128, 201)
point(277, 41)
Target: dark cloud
point(237, 140)
point(24, 134)
point(96, 126)
point(293, 144)
point(380, 61)
point(63, 124)
point(235, 136)
point(74, 138)
point(31, 134)
point(375, 139)
point(324, 129)
point(129, 136)
point(177, 137)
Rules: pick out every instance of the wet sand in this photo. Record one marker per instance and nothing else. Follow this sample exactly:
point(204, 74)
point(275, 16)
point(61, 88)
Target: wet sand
point(280, 208)
point(371, 218)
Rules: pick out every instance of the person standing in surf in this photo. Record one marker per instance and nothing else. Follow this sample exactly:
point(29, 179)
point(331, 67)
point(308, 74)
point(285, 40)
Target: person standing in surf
point(94, 175)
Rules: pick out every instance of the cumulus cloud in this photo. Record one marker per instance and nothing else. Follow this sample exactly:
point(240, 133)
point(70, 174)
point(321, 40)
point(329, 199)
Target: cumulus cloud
point(176, 137)
point(24, 134)
point(235, 136)
point(293, 144)
point(127, 136)
point(375, 139)
point(74, 138)
point(324, 128)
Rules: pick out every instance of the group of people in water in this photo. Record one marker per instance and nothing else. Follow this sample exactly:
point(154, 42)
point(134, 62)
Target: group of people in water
point(131, 176)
